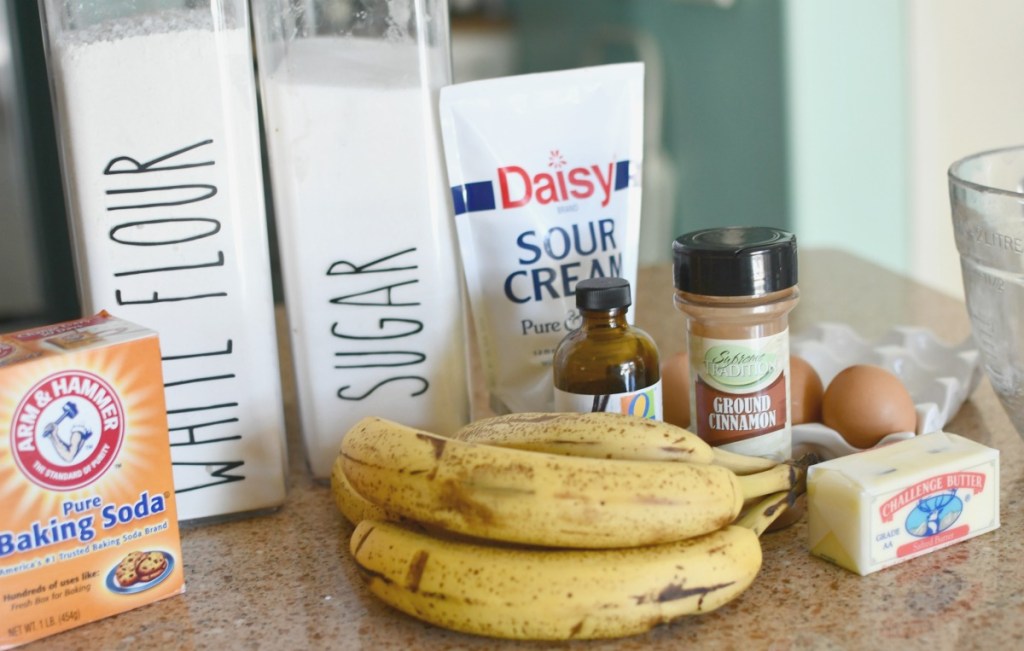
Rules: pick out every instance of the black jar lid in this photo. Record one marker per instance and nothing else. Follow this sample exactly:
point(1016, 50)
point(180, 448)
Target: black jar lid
point(735, 261)
point(603, 294)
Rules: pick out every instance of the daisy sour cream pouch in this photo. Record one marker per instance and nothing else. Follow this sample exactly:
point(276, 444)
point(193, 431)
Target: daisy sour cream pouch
point(545, 174)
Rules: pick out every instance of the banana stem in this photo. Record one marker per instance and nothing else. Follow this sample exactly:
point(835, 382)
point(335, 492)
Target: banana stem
point(760, 516)
point(740, 464)
point(781, 477)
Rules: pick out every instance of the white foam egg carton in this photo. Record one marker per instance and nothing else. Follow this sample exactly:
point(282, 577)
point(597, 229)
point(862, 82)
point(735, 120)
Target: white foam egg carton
point(938, 376)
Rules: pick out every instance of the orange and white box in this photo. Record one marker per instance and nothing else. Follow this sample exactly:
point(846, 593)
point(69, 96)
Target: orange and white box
point(88, 526)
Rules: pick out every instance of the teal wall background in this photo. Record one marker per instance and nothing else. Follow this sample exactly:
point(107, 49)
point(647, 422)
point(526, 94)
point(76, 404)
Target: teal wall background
point(789, 113)
point(725, 95)
point(847, 83)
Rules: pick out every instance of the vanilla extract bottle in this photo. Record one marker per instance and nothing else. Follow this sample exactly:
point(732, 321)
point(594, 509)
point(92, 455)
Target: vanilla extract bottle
point(607, 364)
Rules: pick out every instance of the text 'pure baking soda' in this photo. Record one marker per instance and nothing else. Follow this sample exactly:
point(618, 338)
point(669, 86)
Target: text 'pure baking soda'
point(89, 525)
point(545, 176)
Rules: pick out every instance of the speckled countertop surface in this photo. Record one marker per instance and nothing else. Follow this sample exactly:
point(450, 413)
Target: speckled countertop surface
point(283, 580)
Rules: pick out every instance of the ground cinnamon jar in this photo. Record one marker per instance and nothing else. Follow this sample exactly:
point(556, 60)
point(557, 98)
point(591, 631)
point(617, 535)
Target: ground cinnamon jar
point(736, 287)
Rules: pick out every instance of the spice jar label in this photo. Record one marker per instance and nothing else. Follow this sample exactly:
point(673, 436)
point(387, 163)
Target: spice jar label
point(741, 387)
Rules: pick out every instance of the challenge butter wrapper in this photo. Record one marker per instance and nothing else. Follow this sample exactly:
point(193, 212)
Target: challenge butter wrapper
point(880, 507)
point(88, 526)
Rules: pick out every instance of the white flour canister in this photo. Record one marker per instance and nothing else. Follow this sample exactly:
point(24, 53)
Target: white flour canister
point(156, 112)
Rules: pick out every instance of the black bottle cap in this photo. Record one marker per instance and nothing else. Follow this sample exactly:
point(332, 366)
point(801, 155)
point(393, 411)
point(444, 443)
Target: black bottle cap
point(603, 294)
point(735, 261)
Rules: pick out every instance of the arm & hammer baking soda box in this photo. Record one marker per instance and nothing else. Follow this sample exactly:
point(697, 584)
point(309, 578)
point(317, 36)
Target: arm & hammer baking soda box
point(88, 526)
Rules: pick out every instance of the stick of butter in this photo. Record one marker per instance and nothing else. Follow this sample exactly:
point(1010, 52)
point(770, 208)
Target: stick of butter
point(880, 507)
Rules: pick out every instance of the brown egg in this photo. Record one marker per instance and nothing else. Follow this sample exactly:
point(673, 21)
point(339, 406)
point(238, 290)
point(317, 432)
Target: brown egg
point(865, 403)
point(805, 391)
point(675, 389)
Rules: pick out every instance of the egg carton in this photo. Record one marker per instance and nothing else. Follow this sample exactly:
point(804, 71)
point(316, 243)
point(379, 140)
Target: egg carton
point(938, 376)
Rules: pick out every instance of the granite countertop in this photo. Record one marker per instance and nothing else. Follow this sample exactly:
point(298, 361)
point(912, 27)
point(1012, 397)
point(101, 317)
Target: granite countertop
point(283, 580)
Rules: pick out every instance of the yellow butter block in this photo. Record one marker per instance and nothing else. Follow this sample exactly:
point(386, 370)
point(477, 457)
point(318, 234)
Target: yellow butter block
point(883, 506)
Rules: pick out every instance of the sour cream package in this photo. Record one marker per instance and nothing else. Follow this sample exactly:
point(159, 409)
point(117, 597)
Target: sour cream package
point(545, 174)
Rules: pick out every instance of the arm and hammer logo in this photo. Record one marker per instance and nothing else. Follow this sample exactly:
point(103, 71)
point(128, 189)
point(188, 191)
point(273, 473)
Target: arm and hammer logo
point(67, 430)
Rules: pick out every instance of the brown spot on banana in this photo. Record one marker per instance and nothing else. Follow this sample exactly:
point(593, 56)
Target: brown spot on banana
point(674, 592)
point(356, 545)
point(761, 515)
point(381, 466)
point(655, 499)
point(677, 450)
point(719, 549)
point(370, 575)
point(416, 567)
point(437, 442)
point(453, 498)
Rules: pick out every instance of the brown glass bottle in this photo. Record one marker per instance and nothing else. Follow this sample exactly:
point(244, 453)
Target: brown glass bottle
point(607, 364)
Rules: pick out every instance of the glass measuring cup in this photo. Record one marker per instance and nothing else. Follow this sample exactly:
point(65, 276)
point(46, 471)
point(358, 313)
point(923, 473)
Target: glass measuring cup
point(986, 193)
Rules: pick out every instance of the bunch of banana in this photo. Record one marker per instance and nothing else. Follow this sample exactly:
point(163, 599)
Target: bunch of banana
point(558, 594)
point(537, 498)
point(629, 523)
point(601, 435)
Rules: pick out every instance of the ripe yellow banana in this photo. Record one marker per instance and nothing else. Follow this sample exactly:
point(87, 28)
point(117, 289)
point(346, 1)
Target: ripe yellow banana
point(352, 505)
point(605, 435)
point(544, 499)
point(557, 594)
point(598, 435)
point(602, 435)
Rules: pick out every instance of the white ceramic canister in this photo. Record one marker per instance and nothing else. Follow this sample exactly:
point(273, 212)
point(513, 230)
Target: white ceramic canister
point(368, 250)
point(156, 112)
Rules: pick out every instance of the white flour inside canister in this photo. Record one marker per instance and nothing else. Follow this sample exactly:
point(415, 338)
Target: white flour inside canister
point(157, 118)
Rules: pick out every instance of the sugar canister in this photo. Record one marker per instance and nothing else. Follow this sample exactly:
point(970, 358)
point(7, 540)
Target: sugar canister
point(371, 276)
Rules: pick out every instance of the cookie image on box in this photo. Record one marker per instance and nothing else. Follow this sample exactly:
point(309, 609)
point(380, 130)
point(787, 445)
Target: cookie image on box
point(151, 566)
point(126, 573)
point(139, 570)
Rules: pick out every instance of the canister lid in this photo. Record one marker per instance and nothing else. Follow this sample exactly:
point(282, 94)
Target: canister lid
point(735, 261)
point(603, 294)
